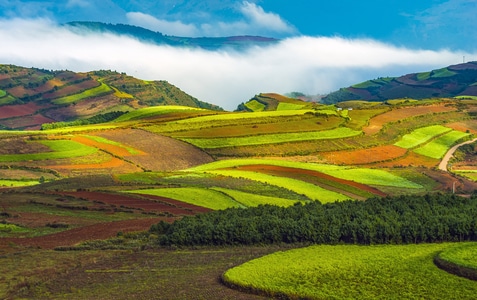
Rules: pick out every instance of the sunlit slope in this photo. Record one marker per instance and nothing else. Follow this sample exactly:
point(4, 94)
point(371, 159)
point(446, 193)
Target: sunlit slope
point(30, 97)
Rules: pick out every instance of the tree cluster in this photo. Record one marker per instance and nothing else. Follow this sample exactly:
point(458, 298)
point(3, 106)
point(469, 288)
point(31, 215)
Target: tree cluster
point(100, 118)
point(398, 220)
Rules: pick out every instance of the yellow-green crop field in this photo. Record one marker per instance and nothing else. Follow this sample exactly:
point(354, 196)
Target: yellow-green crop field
point(59, 149)
point(421, 136)
point(353, 272)
point(102, 89)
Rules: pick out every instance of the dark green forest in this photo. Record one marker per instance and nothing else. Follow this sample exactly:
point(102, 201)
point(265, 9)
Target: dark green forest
point(391, 220)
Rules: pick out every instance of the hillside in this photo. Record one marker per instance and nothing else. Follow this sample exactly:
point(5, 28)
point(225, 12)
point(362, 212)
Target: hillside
point(208, 43)
point(272, 102)
point(133, 203)
point(30, 97)
point(452, 81)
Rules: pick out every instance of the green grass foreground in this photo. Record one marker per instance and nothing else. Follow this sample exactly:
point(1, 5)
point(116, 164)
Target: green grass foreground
point(353, 272)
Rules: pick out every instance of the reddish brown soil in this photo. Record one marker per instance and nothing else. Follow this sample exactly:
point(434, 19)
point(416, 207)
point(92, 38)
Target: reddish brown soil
point(291, 171)
point(376, 123)
point(92, 232)
point(10, 111)
point(32, 122)
point(364, 156)
point(163, 153)
point(72, 89)
point(144, 202)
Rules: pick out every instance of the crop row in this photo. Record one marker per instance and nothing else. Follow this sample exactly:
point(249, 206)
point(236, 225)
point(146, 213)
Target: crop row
point(439, 146)
point(216, 198)
point(421, 136)
point(341, 132)
point(353, 272)
point(375, 177)
point(154, 111)
point(60, 149)
point(96, 91)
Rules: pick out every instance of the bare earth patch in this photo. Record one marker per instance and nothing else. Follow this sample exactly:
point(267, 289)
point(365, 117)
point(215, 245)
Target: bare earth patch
point(163, 153)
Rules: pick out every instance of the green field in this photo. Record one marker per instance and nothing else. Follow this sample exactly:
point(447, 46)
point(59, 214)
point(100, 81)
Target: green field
point(421, 135)
point(341, 132)
point(2, 93)
point(17, 183)
point(208, 198)
point(439, 146)
point(59, 148)
point(376, 177)
point(289, 106)
point(353, 272)
point(102, 89)
point(462, 254)
point(311, 191)
point(251, 200)
point(147, 112)
point(255, 106)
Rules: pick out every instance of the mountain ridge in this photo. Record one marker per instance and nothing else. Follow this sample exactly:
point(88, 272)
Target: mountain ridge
point(452, 81)
point(143, 34)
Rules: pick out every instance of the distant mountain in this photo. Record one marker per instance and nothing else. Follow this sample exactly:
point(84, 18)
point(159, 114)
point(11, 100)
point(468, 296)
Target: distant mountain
point(30, 97)
point(146, 35)
point(452, 81)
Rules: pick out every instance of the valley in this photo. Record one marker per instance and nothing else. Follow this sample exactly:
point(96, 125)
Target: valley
point(98, 169)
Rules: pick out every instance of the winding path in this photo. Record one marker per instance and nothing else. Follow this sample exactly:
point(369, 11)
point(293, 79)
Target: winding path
point(447, 157)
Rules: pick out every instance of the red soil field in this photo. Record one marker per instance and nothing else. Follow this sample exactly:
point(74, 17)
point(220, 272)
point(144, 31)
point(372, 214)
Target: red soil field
point(10, 111)
point(72, 89)
point(411, 160)
point(99, 231)
point(144, 202)
point(163, 153)
point(376, 123)
point(364, 156)
point(32, 122)
point(271, 169)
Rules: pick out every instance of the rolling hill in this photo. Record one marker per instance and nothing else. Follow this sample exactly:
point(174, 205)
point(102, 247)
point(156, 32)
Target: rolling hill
point(452, 81)
point(30, 97)
point(143, 189)
point(146, 35)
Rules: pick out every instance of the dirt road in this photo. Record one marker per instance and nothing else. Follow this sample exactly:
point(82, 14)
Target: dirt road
point(445, 160)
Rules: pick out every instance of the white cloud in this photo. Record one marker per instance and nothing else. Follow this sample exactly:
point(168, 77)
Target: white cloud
point(307, 64)
point(262, 19)
point(176, 28)
point(256, 22)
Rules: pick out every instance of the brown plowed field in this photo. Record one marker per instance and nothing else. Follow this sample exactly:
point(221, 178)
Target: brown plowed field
point(11, 111)
point(92, 232)
point(364, 156)
point(163, 153)
point(145, 203)
point(376, 123)
point(291, 171)
point(32, 122)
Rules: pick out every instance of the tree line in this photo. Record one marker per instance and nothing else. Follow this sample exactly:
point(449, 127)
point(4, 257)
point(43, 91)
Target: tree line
point(390, 220)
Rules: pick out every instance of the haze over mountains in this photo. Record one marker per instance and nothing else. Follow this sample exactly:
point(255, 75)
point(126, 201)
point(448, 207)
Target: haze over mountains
point(224, 77)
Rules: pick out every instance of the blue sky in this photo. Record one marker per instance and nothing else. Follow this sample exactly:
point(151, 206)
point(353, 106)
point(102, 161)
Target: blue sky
point(326, 44)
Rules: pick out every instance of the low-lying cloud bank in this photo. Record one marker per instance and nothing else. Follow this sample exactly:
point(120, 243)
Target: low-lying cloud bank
point(312, 65)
